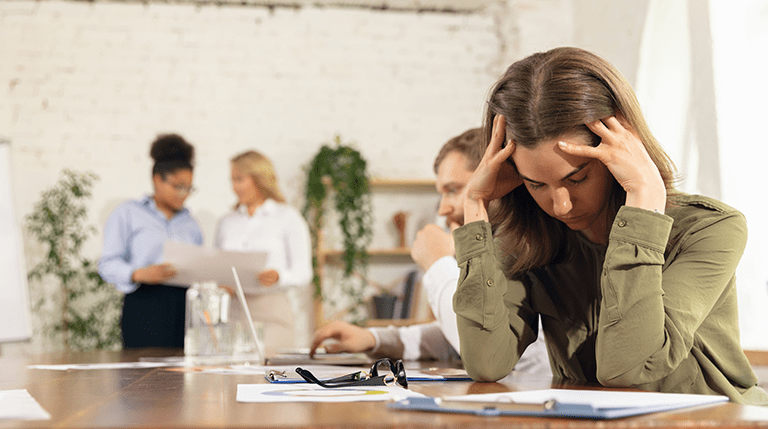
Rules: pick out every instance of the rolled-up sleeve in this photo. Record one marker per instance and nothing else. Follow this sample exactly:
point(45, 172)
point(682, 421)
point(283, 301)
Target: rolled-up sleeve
point(114, 267)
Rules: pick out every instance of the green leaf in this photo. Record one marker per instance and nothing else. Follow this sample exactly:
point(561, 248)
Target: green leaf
point(86, 310)
point(345, 169)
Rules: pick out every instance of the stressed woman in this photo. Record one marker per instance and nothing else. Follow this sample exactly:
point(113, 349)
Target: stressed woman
point(572, 215)
point(262, 221)
point(153, 313)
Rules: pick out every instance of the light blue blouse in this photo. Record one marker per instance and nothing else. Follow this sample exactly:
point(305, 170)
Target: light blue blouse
point(133, 238)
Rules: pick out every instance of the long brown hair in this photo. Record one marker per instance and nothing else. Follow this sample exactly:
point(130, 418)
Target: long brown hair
point(546, 96)
point(261, 170)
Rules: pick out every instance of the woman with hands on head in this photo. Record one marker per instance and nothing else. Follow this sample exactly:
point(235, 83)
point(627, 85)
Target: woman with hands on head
point(572, 216)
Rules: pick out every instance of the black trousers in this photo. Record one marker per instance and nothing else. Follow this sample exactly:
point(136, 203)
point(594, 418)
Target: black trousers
point(153, 316)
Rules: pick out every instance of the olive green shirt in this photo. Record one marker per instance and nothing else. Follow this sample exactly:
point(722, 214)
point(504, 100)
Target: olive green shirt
point(655, 310)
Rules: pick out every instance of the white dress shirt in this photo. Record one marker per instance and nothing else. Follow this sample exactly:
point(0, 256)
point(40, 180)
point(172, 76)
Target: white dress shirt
point(275, 228)
point(440, 339)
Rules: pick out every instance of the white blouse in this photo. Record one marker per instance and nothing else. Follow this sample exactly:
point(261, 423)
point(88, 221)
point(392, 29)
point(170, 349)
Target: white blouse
point(277, 229)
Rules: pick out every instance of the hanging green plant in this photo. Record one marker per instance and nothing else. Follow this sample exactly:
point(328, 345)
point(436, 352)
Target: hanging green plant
point(345, 169)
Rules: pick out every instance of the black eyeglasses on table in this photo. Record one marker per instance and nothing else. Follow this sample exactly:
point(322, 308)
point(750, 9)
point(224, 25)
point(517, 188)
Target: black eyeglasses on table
point(361, 378)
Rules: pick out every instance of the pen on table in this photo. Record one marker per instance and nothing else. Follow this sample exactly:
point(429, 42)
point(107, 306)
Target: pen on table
point(212, 331)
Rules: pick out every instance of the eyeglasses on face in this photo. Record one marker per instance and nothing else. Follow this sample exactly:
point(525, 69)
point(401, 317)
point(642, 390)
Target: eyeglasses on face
point(361, 378)
point(181, 189)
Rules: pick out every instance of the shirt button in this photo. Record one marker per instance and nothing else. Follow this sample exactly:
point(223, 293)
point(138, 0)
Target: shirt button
point(622, 223)
point(489, 282)
point(479, 237)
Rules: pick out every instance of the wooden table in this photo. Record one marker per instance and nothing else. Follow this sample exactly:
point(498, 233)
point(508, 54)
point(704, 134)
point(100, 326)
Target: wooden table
point(142, 398)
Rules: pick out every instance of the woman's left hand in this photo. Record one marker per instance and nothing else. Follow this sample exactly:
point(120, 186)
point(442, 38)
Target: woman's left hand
point(268, 277)
point(627, 159)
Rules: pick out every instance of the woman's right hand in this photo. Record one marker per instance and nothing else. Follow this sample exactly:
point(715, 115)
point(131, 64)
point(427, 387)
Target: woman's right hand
point(494, 177)
point(153, 274)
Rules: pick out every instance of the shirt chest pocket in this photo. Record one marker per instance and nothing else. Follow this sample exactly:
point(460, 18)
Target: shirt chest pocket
point(273, 247)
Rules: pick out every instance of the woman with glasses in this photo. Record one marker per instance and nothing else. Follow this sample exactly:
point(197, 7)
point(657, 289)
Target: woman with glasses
point(131, 258)
point(262, 221)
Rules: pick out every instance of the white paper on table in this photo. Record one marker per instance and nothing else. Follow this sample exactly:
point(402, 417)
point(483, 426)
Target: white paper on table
point(197, 264)
point(107, 365)
point(20, 405)
point(598, 399)
point(266, 393)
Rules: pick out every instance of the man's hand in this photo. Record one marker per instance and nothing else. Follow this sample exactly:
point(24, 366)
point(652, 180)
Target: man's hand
point(351, 338)
point(431, 244)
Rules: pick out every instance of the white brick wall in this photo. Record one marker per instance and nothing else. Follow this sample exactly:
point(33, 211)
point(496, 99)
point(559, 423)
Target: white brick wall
point(88, 86)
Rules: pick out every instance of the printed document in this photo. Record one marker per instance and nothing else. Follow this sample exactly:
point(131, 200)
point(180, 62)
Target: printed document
point(197, 264)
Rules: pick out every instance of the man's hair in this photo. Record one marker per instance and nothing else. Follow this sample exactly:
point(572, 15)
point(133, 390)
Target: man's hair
point(469, 143)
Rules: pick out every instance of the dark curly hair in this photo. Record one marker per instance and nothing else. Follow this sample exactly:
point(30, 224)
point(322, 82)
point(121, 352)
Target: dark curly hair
point(171, 153)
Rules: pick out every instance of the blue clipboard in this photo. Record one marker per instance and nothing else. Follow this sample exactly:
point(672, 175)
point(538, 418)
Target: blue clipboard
point(560, 409)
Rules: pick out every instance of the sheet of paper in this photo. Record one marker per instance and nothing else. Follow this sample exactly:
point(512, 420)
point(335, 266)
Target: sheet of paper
point(109, 365)
point(599, 399)
point(437, 374)
point(321, 371)
point(20, 405)
point(196, 264)
point(312, 393)
point(300, 357)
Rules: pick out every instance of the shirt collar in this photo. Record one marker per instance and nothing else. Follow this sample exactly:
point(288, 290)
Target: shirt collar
point(269, 206)
point(150, 204)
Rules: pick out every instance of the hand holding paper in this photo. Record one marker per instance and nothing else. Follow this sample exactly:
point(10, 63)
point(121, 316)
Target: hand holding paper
point(268, 277)
point(153, 274)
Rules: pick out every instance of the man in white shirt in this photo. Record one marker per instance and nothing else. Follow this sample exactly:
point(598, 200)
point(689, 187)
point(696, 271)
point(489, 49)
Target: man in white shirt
point(433, 250)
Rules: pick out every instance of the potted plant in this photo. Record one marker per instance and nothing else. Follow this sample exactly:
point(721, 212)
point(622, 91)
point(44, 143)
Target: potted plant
point(341, 169)
point(85, 309)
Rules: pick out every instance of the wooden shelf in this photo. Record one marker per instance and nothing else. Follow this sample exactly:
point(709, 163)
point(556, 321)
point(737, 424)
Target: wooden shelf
point(395, 251)
point(403, 184)
point(395, 255)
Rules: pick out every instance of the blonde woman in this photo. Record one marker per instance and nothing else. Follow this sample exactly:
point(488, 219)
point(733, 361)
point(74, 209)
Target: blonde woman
point(262, 221)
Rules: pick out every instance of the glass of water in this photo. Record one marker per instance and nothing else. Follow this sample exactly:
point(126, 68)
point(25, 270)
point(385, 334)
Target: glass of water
point(208, 330)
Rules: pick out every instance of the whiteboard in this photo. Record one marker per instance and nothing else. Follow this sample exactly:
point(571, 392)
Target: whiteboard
point(15, 315)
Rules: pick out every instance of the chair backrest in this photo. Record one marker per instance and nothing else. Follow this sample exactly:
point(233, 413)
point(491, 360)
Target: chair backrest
point(408, 289)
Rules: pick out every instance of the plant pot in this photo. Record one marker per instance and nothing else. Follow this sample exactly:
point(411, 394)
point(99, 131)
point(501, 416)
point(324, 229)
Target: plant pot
point(384, 306)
